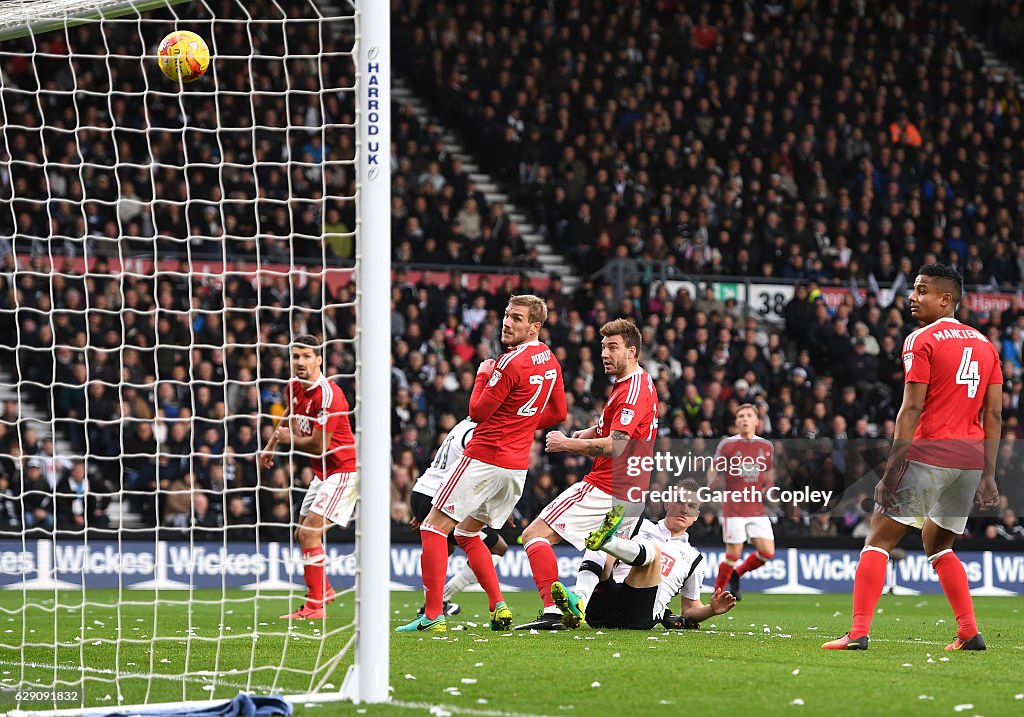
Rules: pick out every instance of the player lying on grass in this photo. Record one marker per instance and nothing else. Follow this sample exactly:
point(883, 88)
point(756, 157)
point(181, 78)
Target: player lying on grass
point(943, 455)
point(446, 458)
point(655, 566)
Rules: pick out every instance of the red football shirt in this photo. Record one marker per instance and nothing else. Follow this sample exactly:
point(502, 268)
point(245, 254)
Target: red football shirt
point(745, 457)
point(323, 407)
point(632, 408)
point(958, 363)
point(524, 393)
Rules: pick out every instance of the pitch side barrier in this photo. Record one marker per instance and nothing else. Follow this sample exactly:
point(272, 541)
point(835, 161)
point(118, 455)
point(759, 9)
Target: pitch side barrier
point(167, 566)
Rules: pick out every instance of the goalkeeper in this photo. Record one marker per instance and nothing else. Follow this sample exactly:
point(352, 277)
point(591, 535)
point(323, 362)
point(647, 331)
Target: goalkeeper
point(643, 574)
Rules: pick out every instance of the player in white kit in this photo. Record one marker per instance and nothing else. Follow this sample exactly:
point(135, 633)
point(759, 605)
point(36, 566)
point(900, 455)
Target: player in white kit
point(447, 457)
point(656, 565)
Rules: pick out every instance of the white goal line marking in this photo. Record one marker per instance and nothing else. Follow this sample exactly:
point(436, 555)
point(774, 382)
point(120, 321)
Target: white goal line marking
point(134, 675)
point(717, 632)
point(455, 709)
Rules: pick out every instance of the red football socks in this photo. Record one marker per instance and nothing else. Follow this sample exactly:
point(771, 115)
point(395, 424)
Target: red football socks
point(753, 562)
point(953, 579)
point(434, 566)
point(483, 566)
point(725, 569)
point(313, 572)
point(867, 588)
point(544, 566)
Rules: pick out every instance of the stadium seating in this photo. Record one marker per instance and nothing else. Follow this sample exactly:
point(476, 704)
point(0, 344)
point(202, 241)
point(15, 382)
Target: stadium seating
point(766, 144)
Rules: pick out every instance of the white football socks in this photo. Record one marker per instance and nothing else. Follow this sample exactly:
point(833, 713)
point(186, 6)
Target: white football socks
point(587, 580)
point(638, 552)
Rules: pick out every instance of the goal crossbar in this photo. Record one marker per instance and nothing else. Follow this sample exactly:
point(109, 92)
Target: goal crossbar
point(28, 17)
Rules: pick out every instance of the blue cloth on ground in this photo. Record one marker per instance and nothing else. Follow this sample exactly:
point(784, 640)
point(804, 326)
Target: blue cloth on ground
point(242, 705)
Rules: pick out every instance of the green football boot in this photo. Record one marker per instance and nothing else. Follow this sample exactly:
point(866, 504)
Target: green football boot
point(609, 526)
point(573, 612)
point(501, 617)
point(424, 624)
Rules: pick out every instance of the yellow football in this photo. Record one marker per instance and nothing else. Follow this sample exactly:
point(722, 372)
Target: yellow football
point(183, 56)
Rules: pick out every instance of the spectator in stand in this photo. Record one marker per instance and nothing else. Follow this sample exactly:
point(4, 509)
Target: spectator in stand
point(204, 521)
point(241, 525)
point(10, 508)
point(37, 497)
point(1009, 527)
point(794, 523)
point(822, 526)
point(77, 507)
point(177, 510)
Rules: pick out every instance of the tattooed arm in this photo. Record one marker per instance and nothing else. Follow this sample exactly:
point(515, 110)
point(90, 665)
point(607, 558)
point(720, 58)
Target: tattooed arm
point(609, 446)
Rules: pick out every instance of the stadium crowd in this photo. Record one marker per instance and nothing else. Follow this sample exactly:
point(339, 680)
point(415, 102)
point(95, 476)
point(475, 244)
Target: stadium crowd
point(174, 394)
point(866, 141)
point(134, 165)
point(816, 140)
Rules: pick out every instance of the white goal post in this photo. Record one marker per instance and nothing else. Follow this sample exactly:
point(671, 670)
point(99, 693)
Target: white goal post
point(82, 620)
point(368, 680)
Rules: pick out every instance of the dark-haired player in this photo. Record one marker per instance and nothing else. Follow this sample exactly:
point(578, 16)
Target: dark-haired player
point(943, 456)
point(316, 424)
point(628, 423)
point(750, 459)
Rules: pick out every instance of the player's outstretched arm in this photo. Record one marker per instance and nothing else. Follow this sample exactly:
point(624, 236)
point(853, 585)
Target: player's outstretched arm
point(586, 433)
point(609, 446)
point(907, 421)
point(721, 602)
point(267, 457)
point(987, 495)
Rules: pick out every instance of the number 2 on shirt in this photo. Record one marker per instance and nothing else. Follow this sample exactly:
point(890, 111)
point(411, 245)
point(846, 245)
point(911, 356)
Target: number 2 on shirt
point(967, 374)
point(528, 408)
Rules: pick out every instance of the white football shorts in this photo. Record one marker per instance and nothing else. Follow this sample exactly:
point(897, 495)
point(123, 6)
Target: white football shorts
point(475, 489)
point(946, 495)
point(334, 498)
point(740, 530)
point(579, 510)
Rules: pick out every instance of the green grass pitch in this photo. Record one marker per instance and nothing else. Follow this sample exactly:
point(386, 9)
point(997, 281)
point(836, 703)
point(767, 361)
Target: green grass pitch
point(762, 658)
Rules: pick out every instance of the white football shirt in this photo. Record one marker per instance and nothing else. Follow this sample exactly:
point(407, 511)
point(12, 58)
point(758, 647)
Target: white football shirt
point(682, 566)
point(446, 458)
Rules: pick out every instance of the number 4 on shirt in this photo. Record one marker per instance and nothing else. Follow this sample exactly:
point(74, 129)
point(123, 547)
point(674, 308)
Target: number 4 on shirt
point(968, 374)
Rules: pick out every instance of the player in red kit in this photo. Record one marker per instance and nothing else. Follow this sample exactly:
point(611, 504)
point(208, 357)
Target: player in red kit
point(748, 461)
point(513, 397)
point(630, 415)
point(317, 425)
point(943, 456)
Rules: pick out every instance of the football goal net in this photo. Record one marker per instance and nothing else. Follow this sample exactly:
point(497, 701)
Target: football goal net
point(184, 191)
